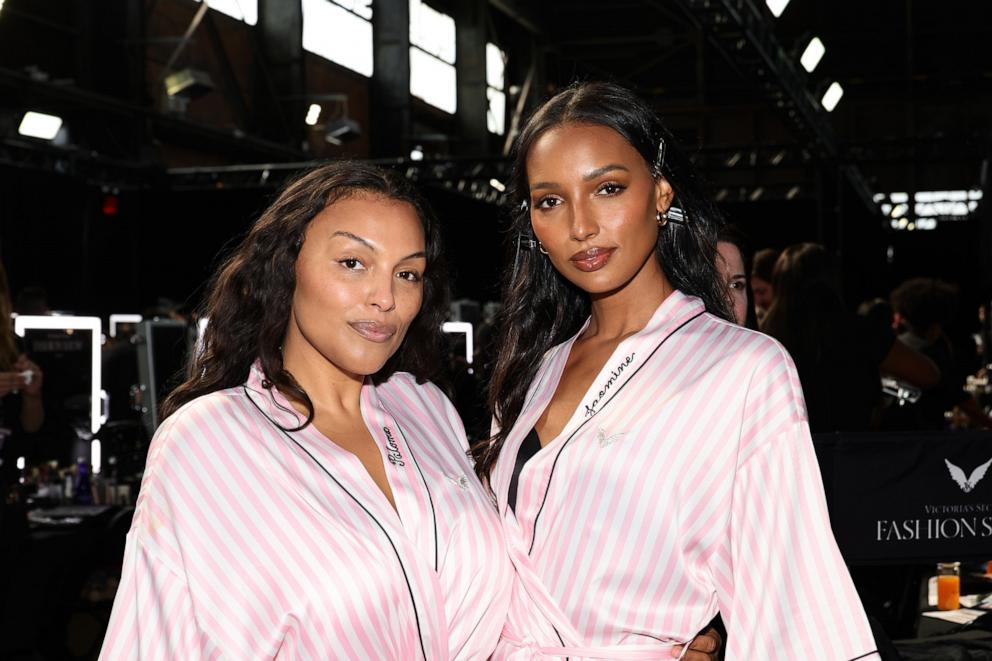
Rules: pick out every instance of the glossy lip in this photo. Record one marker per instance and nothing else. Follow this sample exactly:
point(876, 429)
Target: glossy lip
point(592, 259)
point(373, 331)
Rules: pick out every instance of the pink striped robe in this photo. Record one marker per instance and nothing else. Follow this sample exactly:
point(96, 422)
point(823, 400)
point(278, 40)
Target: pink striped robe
point(243, 547)
point(684, 484)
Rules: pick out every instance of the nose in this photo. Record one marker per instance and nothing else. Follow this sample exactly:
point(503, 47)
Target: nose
point(583, 223)
point(381, 295)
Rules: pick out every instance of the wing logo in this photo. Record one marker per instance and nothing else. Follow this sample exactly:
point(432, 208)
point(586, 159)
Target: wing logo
point(605, 440)
point(967, 483)
point(459, 481)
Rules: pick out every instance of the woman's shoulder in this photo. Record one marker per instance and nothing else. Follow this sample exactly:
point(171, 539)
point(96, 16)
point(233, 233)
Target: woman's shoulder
point(740, 343)
point(213, 406)
point(208, 420)
point(411, 389)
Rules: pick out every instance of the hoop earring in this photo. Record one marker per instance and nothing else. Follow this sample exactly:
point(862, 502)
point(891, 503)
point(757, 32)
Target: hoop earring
point(662, 218)
point(540, 246)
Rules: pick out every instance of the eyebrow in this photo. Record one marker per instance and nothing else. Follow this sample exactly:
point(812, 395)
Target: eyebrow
point(355, 237)
point(589, 176)
point(598, 172)
point(367, 244)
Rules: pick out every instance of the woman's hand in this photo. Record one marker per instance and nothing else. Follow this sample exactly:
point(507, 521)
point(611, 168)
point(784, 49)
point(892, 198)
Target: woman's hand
point(704, 647)
point(32, 389)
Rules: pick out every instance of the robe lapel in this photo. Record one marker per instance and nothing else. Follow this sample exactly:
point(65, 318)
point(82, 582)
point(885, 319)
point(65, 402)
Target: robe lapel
point(410, 491)
point(674, 313)
point(540, 393)
point(349, 481)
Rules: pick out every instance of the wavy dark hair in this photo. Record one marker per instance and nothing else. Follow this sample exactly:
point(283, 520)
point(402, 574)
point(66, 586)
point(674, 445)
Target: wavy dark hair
point(808, 315)
point(540, 307)
point(923, 302)
point(8, 347)
point(252, 292)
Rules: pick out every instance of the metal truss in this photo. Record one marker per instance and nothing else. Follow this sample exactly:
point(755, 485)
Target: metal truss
point(741, 32)
point(83, 165)
point(476, 178)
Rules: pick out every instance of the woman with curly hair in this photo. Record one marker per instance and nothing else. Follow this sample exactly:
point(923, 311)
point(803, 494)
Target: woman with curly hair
point(309, 494)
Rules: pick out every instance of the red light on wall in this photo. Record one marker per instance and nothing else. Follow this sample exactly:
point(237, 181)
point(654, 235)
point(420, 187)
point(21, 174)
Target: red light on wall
point(109, 206)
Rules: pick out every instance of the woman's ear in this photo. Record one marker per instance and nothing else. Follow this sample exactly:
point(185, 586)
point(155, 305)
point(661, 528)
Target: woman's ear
point(664, 194)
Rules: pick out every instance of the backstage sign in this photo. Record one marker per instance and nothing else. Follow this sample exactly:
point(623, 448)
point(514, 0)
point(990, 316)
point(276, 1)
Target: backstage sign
point(909, 496)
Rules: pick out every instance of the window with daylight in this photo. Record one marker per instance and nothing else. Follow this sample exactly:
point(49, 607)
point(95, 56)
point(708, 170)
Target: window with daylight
point(432, 56)
point(495, 84)
point(243, 10)
point(341, 31)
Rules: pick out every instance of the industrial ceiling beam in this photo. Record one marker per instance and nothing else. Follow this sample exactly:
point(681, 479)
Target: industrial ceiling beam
point(15, 85)
point(740, 30)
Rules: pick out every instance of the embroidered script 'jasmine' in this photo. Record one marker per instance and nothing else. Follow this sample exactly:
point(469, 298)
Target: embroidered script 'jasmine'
point(614, 377)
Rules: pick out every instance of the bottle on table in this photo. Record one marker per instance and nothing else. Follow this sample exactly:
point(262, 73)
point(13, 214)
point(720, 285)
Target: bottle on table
point(84, 492)
point(948, 586)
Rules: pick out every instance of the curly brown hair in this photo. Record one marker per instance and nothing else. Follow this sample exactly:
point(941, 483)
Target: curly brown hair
point(251, 294)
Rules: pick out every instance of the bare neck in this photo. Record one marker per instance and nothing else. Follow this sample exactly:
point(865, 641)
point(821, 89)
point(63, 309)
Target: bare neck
point(333, 392)
point(627, 310)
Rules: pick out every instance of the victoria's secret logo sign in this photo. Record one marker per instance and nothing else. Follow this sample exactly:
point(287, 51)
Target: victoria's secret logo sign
point(970, 482)
point(955, 521)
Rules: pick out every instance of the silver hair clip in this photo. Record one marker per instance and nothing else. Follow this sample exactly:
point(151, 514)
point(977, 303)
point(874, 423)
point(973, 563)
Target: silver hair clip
point(526, 243)
point(659, 160)
point(677, 216)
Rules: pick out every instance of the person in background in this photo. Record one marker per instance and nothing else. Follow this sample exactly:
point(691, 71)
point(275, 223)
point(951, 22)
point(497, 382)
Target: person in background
point(762, 269)
point(732, 257)
point(839, 356)
point(21, 413)
point(923, 310)
point(21, 407)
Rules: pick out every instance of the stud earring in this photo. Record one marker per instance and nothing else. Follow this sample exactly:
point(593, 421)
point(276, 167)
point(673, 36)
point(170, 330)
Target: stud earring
point(662, 218)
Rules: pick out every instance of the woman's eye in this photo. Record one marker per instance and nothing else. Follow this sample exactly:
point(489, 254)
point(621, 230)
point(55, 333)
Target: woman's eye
point(737, 284)
point(611, 188)
point(410, 276)
point(351, 263)
point(547, 203)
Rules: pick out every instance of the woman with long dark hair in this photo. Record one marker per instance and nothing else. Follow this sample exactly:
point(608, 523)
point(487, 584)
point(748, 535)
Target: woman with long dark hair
point(838, 355)
point(21, 407)
point(651, 461)
point(309, 495)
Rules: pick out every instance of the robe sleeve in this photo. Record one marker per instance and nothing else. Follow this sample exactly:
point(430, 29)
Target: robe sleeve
point(153, 615)
point(786, 592)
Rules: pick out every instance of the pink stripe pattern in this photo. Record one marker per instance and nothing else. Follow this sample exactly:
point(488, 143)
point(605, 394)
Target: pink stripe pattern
point(252, 543)
point(684, 485)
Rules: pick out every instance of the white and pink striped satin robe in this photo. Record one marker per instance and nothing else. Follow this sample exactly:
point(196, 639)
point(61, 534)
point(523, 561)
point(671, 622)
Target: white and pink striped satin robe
point(684, 484)
point(252, 543)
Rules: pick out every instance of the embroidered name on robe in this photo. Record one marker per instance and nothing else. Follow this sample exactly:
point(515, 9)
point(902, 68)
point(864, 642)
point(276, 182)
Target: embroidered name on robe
point(614, 377)
point(393, 450)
